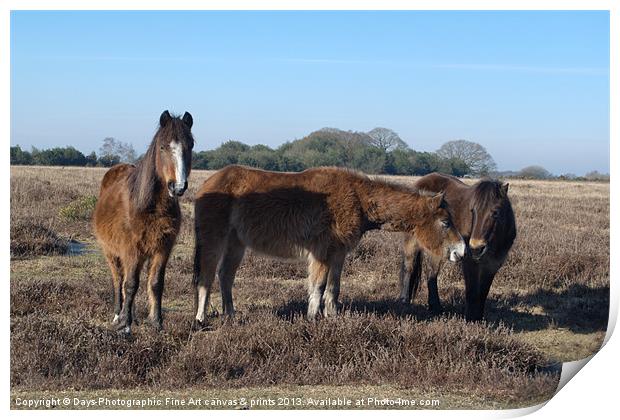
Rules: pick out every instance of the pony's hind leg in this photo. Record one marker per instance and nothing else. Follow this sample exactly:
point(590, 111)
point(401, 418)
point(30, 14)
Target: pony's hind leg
point(332, 290)
point(317, 280)
point(157, 271)
point(205, 264)
point(226, 273)
point(117, 284)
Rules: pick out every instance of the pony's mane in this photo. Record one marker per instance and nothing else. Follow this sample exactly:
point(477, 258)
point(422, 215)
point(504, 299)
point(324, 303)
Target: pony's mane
point(487, 191)
point(143, 180)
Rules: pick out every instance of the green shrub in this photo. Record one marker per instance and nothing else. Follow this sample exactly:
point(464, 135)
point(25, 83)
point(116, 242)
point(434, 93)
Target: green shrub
point(80, 209)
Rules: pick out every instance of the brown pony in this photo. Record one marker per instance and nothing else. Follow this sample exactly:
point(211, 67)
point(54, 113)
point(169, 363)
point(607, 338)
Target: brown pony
point(483, 215)
point(319, 213)
point(137, 217)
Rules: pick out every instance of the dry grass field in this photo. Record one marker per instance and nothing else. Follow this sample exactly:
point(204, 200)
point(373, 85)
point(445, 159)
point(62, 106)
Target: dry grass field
point(549, 303)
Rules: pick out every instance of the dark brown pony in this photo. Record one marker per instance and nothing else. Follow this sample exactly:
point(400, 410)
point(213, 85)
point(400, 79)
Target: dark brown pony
point(137, 217)
point(319, 214)
point(483, 215)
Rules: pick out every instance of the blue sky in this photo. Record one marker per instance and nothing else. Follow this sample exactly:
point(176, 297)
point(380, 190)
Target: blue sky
point(532, 87)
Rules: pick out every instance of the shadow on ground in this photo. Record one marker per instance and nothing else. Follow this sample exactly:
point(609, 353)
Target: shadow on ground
point(578, 308)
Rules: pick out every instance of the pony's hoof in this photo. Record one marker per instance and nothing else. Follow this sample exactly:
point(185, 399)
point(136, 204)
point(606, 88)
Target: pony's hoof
point(330, 312)
point(120, 324)
point(124, 331)
point(156, 324)
point(198, 325)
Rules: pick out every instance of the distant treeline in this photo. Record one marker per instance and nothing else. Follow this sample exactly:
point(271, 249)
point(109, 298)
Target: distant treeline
point(385, 153)
point(380, 151)
point(311, 152)
point(59, 156)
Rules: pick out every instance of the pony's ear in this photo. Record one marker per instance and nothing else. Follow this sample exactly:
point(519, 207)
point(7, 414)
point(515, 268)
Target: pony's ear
point(164, 118)
point(188, 120)
point(504, 189)
point(436, 201)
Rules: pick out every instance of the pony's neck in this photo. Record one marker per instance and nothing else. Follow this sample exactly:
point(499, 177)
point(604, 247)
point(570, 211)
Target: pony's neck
point(390, 207)
point(148, 190)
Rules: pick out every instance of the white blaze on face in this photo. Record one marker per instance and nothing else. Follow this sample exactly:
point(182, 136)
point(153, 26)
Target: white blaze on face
point(179, 164)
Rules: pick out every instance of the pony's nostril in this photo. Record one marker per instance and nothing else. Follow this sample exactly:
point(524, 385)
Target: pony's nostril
point(184, 185)
point(171, 185)
point(477, 252)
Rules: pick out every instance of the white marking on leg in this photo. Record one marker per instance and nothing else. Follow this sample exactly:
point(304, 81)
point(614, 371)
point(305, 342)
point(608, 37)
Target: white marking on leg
point(202, 301)
point(115, 319)
point(314, 303)
point(330, 308)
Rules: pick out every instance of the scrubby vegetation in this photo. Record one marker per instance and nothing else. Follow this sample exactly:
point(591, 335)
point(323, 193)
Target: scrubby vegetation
point(549, 303)
point(32, 239)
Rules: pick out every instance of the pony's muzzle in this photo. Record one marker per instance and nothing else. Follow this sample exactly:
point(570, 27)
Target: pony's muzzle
point(457, 251)
point(177, 189)
point(478, 252)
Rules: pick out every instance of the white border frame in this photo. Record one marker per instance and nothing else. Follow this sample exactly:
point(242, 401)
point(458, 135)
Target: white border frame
point(592, 394)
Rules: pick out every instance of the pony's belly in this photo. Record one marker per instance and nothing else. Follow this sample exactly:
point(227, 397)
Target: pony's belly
point(277, 249)
point(286, 257)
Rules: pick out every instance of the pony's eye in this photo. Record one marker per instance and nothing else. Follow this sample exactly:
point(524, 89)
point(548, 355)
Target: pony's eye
point(162, 147)
point(495, 214)
point(445, 223)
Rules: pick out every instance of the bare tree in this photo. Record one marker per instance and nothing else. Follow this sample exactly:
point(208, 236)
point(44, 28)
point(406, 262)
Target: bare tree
point(473, 154)
point(112, 148)
point(386, 139)
point(108, 148)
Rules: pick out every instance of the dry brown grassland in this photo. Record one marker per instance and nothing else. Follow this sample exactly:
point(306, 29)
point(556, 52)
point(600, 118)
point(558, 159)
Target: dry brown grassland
point(549, 303)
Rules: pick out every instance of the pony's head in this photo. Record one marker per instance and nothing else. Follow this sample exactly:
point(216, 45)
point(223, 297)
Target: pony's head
point(437, 235)
point(488, 208)
point(174, 151)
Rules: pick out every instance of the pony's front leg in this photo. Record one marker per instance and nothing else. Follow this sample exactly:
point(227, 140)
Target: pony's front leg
point(131, 283)
point(471, 272)
point(117, 285)
point(410, 269)
point(157, 271)
point(330, 297)
point(317, 280)
point(434, 303)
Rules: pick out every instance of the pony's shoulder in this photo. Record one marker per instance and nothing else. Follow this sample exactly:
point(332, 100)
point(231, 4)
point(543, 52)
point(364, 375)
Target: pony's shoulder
point(117, 172)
